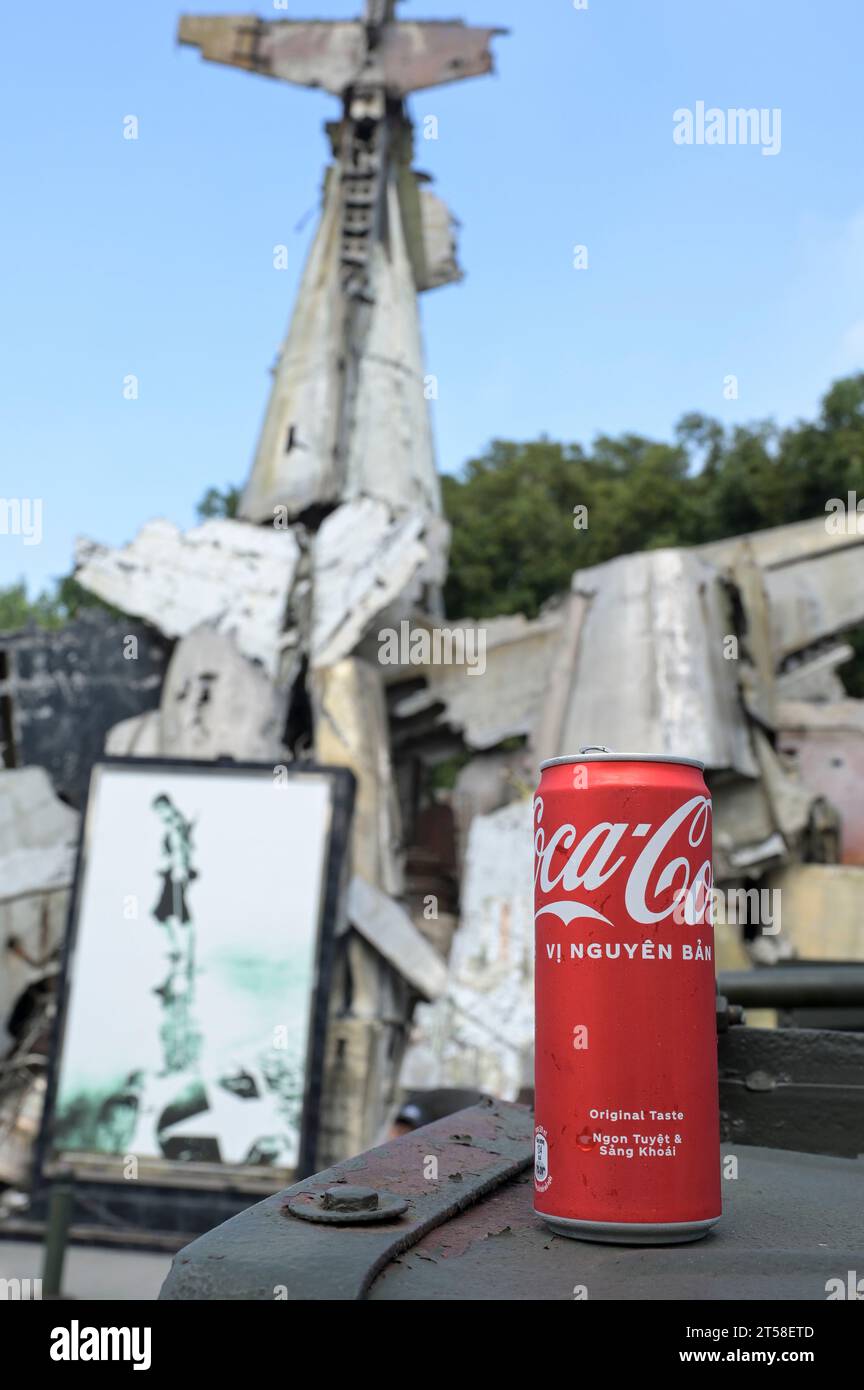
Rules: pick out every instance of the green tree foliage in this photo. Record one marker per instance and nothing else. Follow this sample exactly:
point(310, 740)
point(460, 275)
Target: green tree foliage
point(58, 605)
point(218, 502)
point(51, 608)
point(515, 543)
point(17, 610)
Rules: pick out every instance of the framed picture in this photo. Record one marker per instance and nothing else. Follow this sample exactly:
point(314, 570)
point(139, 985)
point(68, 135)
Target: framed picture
point(193, 1004)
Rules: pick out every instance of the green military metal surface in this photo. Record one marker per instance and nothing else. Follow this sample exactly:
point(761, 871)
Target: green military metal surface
point(791, 1222)
point(793, 1088)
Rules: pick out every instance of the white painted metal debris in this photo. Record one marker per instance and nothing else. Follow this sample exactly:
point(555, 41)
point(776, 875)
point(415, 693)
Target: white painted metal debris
point(366, 558)
point(387, 927)
point(231, 574)
point(480, 1033)
point(498, 697)
point(38, 838)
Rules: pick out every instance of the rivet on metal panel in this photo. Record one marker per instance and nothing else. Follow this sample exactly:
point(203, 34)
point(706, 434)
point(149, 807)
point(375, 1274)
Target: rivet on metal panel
point(760, 1081)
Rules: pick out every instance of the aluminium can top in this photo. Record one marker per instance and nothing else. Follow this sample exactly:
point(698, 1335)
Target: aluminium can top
point(593, 753)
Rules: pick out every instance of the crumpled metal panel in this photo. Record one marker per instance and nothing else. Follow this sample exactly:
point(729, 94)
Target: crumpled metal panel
point(480, 1033)
point(813, 580)
point(333, 55)
point(215, 704)
point(503, 700)
point(38, 840)
point(746, 838)
point(649, 674)
point(826, 742)
point(368, 562)
point(810, 600)
point(780, 545)
point(236, 576)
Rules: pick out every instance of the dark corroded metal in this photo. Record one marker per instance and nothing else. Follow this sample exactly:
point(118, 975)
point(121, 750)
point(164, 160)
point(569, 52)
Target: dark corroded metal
point(791, 1222)
point(793, 1088)
point(60, 693)
point(265, 1253)
point(795, 985)
point(347, 1206)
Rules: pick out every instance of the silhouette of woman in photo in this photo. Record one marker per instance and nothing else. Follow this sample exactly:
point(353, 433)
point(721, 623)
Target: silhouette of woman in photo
point(180, 1040)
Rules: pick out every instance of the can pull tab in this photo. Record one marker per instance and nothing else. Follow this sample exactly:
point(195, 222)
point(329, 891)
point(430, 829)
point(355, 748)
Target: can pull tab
point(595, 748)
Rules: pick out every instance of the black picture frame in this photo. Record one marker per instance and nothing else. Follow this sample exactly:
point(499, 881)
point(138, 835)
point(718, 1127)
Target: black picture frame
point(160, 1177)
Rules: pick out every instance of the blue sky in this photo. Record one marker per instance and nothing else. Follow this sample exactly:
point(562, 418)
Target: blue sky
point(155, 256)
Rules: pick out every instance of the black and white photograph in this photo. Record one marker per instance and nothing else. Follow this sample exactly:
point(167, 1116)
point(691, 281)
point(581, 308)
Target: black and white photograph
point(198, 923)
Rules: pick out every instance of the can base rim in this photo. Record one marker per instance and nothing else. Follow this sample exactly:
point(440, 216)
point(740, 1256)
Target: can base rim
point(629, 1232)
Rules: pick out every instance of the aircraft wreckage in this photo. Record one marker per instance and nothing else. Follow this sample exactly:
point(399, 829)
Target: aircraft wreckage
point(260, 641)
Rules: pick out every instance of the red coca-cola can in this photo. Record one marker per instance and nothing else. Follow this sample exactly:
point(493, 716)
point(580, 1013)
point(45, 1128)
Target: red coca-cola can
point(626, 1140)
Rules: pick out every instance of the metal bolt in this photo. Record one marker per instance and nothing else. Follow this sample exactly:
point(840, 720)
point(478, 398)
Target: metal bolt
point(345, 1198)
point(344, 1205)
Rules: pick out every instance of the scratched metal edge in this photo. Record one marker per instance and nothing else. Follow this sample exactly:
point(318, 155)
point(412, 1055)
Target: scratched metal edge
point(265, 1249)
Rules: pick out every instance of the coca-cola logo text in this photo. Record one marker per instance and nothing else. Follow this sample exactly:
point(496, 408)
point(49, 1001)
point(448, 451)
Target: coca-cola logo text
point(658, 880)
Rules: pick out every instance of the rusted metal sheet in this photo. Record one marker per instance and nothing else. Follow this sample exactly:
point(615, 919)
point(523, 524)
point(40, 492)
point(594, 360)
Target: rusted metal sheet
point(270, 1253)
point(408, 57)
point(470, 1233)
point(766, 1248)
